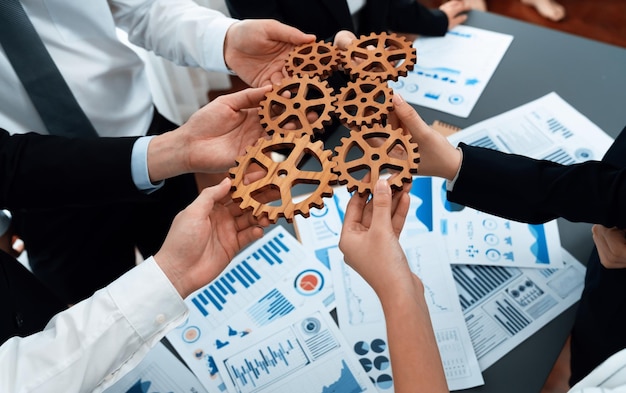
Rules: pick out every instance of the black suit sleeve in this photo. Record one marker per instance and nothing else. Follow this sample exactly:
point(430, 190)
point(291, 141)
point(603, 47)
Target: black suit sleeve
point(418, 19)
point(402, 17)
point(536, 191)
point(44, 171)
point(254, 9)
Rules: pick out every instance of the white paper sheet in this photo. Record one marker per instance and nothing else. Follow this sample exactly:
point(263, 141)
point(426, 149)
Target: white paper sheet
point(504, 306)
point(452, 71)
point(270, 279)
point(478, 238)
point(303, 352)
point(362, 321)
point(547, 128)
point(159, 371)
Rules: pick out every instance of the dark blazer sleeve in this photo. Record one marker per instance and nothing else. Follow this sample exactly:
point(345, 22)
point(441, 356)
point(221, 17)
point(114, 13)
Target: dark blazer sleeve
point(402, 16)
point(42, 170)
point(324, 18)
point(536, 191)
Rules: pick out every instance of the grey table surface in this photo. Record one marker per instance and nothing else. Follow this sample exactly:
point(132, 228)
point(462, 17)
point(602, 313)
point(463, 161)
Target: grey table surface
point(590, 76)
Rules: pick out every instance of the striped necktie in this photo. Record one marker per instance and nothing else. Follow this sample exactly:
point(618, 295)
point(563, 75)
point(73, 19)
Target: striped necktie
point(42, 80)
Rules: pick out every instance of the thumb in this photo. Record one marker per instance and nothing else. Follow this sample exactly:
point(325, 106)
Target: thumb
point(381, 215)
point(203, 205)
point(408, 117)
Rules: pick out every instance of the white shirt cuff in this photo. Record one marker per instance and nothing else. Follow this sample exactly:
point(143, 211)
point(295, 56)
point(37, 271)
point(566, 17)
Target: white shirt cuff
point(214, 54)
point(139, 166)
point(450, 183)
point(5, 221)
point(153, 307)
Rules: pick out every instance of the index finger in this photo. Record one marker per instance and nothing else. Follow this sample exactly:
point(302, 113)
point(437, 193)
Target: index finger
point(246, 98)
point(354, 211)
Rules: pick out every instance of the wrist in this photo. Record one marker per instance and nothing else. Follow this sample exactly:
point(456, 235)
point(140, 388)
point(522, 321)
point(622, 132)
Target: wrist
point(167, 156)
point(453, 159)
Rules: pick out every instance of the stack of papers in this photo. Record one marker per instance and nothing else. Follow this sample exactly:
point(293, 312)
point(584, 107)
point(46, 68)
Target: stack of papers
point(264, 324)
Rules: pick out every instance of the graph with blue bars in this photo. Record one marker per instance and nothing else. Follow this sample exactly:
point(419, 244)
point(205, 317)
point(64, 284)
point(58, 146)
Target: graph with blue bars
point(270, 307)
point(249, 276)
point(264, 364)
point(475, 282)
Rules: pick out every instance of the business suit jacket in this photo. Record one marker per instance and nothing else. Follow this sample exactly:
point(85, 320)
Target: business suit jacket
point(325, 18)
point(535, 191)
point(42, 171)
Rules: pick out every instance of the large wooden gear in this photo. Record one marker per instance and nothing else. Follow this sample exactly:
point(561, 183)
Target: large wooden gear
point(364, 102)
point(380, 150)
point(316, 59)
point(381, 56)
point(303, 102)
point(282, 176)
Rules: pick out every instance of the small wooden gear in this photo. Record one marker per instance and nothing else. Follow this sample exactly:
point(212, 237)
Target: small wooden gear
point(316, 59)
point(282, 176)
point(379, 150)
point(382, 56)
point(299, 104)
point(364, 102)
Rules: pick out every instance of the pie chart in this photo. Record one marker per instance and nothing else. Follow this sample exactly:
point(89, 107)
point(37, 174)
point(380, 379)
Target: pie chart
point(309, 282)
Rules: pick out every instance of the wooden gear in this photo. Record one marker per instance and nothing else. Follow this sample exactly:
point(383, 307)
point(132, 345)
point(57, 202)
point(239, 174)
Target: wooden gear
point(382, 149)
point(316, 59)
point(380, 56)
point(282, 176)
point(364, 102)
point(303, 102)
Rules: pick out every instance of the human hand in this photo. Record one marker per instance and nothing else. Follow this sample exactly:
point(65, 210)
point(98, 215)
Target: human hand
point(456, 11)
point(611, 245)
point(437, 156)
point(343, 39)
point(211, 139)
point(369, 237)
point(205, 237)
point(257, 49)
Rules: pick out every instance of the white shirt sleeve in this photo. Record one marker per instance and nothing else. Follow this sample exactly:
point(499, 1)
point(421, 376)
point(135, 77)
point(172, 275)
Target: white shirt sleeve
point(179, 30)
point(608, 377)
point(92, 344)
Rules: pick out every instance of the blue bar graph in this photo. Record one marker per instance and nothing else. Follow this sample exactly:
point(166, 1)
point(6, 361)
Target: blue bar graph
point(242, 275)
point(269, 307)
point(475, 282)
point(555, 126)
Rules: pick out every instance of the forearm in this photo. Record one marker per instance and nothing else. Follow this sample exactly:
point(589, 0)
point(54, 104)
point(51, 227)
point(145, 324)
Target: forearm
point(179, 30)
point(524, 189)
point(40, 171)
point(109, 332)
point(415, 359)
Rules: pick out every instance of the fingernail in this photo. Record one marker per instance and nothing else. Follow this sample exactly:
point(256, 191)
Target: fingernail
point(397, 98)
point(381, 186)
